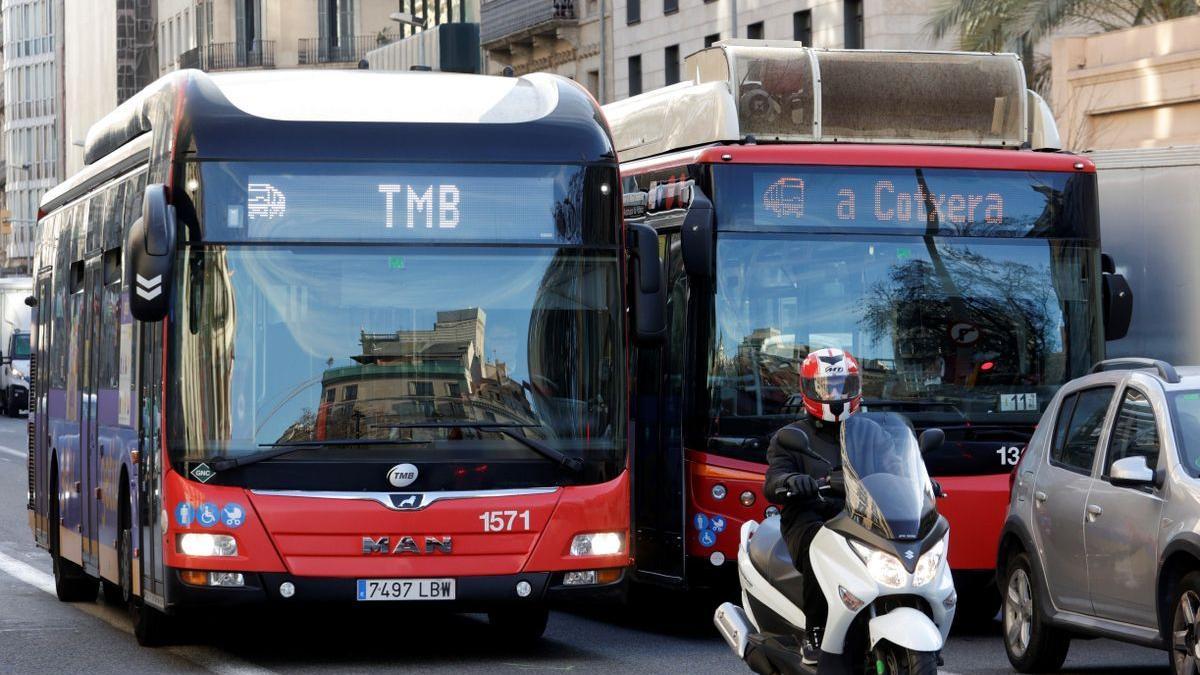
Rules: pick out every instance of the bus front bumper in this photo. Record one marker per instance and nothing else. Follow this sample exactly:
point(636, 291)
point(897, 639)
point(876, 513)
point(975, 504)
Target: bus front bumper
point(472, 593)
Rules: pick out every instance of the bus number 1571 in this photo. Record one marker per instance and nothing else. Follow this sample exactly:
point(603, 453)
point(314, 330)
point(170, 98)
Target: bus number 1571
point(503, 521)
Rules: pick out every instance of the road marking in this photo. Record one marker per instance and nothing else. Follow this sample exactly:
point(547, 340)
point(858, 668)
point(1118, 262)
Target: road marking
point(210, 659)
point(14, 453)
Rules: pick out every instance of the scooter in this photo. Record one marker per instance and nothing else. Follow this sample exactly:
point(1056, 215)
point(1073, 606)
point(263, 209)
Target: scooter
point(881, 565)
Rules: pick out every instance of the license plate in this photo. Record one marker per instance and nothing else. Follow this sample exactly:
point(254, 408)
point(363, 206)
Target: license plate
point(405, 589)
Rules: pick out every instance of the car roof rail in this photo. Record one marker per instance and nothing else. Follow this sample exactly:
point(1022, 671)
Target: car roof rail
point(1165, 370)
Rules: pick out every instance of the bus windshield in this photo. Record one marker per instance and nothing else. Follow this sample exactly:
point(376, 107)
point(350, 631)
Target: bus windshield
point(282, 344)
point(954, 331)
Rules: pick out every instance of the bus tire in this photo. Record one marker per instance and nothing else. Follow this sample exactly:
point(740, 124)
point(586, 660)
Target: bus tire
point(151, 627)
point(519, 625)
point(121, 592)
point(71, 583)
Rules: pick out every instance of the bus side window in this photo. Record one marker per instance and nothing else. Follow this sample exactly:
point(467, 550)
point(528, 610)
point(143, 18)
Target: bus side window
point(110, 319)
point(114, 216)
point(62, 273)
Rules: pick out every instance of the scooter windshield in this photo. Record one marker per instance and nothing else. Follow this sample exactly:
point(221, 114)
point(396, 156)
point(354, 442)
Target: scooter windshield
point(887, 488)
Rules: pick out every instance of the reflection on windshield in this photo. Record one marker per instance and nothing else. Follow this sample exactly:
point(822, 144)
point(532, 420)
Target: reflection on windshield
point(287, 344)
point(968, 328)
point(21, 346)
point(887, 488)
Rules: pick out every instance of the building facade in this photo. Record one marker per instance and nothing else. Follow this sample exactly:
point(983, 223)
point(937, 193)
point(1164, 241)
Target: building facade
point(32, 136)
point(652, 37)
point(1132, 88)
point(554, 36)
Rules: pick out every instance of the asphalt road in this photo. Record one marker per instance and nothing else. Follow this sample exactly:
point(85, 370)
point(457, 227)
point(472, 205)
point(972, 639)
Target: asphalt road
point(660, 634)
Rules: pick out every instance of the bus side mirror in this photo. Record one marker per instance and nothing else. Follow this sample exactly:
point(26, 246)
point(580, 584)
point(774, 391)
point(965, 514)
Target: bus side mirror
point(30, 301)
point(1116, 300)
point(150, 259)
point(931, 441)
point(650, 303)
point(696, 241)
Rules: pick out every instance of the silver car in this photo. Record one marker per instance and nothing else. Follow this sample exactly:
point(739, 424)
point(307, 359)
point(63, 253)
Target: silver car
point(1102, 537)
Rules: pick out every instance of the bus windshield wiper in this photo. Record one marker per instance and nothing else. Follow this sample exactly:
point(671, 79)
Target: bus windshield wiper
point(287, 447)
point(508, 429)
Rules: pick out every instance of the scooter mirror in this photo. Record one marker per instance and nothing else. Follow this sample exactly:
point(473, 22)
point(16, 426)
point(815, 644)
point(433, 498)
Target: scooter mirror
point(931, 440)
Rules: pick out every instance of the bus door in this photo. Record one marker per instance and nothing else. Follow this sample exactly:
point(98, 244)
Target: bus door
point(39, 379)
point(148, 349)
point(88, 383)
point(659, 499)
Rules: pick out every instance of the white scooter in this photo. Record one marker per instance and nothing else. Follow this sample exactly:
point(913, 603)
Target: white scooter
point(881, 565)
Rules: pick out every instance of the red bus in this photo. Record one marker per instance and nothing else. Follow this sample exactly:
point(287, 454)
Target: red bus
point(336, 336)
point(819, 198)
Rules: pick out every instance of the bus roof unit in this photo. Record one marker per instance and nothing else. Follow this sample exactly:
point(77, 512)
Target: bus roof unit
point(379, 116)
point(784, 92)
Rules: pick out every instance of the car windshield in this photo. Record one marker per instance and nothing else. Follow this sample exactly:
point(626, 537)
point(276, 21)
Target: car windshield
point(294, 344)
point(20, 348)
point(887, 488)
point(1185, 407)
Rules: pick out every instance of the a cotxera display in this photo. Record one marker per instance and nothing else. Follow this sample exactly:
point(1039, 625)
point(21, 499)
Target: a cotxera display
point(959, 202)
point(268, 201)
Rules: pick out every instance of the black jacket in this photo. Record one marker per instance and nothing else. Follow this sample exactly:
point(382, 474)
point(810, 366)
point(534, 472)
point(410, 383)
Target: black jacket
point(825, 440)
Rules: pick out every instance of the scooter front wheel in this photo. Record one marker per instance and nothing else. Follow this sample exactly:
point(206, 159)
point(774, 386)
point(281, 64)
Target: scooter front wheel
point(900, 661)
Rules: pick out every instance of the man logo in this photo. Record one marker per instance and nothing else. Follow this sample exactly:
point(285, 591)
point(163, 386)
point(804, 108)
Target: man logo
point(405, 501)
point(402, 475)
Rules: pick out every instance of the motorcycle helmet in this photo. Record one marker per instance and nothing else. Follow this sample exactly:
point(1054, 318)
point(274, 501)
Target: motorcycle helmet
point(830, 385)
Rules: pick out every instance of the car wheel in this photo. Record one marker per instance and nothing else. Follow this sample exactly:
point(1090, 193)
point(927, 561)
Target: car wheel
point(1032, 644)
point(1185, 636)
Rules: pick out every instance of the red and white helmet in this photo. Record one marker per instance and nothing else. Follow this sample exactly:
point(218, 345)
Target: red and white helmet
point(830, 384)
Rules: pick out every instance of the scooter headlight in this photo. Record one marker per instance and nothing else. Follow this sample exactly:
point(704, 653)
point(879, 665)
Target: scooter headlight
point(884, 568)
point(930, 562)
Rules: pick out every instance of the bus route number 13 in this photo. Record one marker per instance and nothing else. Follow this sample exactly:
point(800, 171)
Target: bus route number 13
point(504, 521)
point(1009, 455)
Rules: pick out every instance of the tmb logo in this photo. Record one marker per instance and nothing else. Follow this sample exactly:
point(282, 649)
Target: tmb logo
point(402, 475)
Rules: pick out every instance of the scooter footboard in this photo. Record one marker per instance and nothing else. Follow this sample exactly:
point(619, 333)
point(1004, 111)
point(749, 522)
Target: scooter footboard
point(908, 628)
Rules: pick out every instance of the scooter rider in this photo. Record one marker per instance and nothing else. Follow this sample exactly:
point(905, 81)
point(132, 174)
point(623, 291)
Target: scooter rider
point(831, 388)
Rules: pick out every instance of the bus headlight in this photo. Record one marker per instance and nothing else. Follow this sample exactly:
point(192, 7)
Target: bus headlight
point(597, 543)
point(18, 373)
point(930, 562)
point(204, 545)
point(884, 568)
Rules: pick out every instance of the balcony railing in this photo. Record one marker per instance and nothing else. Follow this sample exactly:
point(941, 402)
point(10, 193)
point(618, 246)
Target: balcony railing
point(323, 50)
point(230, 55)
point(500, 19)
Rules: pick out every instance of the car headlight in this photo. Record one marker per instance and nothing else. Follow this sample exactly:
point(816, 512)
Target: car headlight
point(18, 373)
point(884, 568)
point(930, 562)
point(204, 545)
point(597, 543)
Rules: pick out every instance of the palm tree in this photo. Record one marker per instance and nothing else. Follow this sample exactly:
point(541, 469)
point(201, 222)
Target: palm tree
point(1018, 25)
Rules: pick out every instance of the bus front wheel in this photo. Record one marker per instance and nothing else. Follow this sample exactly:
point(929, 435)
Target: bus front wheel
point(151, 627)
point(519, 625)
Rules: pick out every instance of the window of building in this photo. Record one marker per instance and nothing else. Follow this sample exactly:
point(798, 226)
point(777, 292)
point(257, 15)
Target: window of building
point(710, 40)
point(453, 389)
point(853, 15)
point(350, 393)
point(755, 31)
point(593, 84)
point(802, 27)
point(330, 394)
point(633, 11)
point(670, 6)
point(635, 75)
point(420, 388)
point(671, 64)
